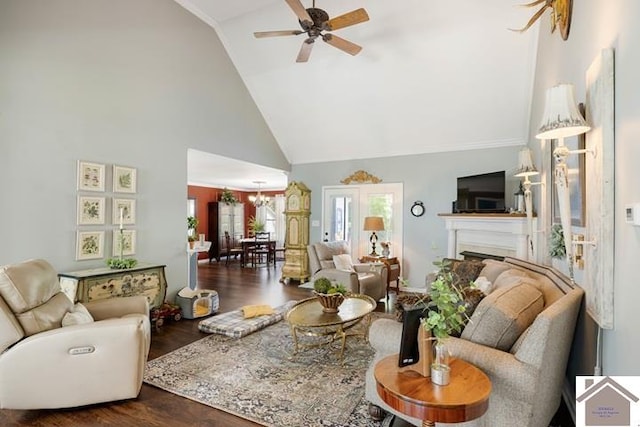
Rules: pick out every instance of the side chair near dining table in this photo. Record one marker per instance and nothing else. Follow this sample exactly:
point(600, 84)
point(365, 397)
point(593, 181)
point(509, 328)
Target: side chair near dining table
point(231, 250)
point(261, 244)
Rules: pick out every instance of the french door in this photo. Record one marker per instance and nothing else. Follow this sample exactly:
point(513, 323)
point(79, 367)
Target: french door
point(344, 208)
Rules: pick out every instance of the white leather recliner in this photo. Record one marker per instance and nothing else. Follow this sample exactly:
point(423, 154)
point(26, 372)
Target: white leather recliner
point(46, 365)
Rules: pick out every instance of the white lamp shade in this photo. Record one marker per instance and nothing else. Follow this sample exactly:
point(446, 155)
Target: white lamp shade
point(561, 117)
point(525, 164)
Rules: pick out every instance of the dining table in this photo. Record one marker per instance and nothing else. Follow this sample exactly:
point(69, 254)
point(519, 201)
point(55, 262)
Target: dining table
point(249, 242)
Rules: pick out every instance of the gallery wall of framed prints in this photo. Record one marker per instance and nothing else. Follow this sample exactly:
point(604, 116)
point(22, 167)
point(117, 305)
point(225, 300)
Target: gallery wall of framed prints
point(103, 212)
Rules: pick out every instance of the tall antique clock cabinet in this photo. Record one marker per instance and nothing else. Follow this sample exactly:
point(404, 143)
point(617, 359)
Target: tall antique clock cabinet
point(297, 213)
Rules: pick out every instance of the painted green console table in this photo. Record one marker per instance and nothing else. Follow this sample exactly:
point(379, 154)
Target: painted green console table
point(101, 283)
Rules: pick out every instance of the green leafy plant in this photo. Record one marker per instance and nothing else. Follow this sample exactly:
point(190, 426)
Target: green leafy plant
point(121, 264)
point(192, 224)
point(322, 285)
point(557, 248)
point(228, 197)
point(446, 311)
point(255, 225)
point(125, 180)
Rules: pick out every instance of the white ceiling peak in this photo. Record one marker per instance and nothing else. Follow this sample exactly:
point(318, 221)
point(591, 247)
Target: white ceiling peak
point(432, 76)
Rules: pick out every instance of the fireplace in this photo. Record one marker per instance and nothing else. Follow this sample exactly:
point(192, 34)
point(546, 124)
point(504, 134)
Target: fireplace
point(496, 235)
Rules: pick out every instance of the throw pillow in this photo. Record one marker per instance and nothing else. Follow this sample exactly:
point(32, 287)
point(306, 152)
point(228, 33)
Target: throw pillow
point(493, 268)
point(471, 298)
point(343, 262)
point(484, 285)
point(79, 316)
point(464, 271)
point(504, 315)
point(509, 278)
point(249, 311)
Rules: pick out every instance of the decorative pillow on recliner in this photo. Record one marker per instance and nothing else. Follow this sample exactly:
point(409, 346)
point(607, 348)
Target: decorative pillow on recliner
point(343, 262)
point(79, 316)
point(502, 316)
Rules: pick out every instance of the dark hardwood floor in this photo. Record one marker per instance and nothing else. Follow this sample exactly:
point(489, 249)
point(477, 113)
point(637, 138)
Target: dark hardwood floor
point(154, 407)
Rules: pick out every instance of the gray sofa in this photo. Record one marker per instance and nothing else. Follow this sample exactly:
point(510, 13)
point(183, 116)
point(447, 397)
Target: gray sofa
point(527, 376)
point(361, 279)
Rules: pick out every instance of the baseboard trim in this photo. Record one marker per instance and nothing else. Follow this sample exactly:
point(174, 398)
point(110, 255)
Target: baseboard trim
point(569, 397)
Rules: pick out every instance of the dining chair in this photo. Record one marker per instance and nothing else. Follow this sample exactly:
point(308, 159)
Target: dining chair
point(261, 247)
point(231, 250)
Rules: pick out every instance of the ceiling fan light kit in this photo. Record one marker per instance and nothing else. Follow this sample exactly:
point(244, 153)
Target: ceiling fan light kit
point(314, 22)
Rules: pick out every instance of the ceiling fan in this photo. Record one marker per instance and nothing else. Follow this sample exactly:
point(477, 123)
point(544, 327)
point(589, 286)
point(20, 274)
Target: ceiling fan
point(313, 22)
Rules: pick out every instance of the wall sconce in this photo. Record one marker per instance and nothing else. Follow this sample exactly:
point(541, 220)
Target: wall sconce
point(373, 224)
point(526, 169)
point(562, 119)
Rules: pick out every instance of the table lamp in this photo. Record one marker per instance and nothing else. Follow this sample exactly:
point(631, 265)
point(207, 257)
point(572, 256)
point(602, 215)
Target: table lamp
point(373, 224)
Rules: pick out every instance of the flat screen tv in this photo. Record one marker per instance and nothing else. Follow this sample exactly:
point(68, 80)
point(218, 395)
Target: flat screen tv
point(481, 193)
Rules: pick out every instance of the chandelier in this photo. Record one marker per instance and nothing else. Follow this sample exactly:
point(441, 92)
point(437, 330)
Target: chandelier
point(259, 199)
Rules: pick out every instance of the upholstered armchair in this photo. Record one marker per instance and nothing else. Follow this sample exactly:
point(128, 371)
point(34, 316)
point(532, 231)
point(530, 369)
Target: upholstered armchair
point(99, 357)
point(359, 278)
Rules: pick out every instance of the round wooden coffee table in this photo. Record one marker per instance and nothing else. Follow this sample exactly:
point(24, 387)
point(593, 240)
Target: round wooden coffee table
point(464, 399)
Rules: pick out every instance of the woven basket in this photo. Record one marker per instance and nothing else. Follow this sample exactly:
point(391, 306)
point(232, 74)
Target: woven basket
point(330, 302)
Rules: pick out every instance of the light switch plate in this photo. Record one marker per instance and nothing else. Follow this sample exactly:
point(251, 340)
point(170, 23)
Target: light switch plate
point(632, 213)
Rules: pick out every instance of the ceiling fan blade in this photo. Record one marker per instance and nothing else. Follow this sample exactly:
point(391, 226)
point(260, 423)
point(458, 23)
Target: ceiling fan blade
point(261, 34)
point(299, 10)
point(305, 50)
point(351, 18)
point(342, 44)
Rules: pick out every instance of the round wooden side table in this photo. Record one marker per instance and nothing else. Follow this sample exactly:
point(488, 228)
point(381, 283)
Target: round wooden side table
point(464, 399)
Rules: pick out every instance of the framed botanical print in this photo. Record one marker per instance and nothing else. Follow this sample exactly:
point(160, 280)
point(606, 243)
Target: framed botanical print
point(128, 207)
point(128, 240)
point(89, 245)
point(124, 179)
point(90, 176)
point(91, 210)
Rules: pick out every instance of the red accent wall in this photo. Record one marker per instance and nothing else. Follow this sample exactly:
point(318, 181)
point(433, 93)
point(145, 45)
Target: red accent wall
point(204, 195)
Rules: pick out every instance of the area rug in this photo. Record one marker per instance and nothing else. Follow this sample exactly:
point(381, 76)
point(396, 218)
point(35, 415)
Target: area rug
point(258, 378)
point(306, 285)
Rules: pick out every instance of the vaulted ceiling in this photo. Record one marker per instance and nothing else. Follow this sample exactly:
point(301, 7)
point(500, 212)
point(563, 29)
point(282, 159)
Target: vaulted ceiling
point(432, 75)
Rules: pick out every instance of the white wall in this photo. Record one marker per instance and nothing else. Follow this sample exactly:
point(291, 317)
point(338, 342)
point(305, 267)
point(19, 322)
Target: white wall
point(123, 82)
point(427, 177)
point(598, 24)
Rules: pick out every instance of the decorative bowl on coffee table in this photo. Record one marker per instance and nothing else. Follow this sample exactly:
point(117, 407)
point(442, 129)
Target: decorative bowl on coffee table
point(330, 302)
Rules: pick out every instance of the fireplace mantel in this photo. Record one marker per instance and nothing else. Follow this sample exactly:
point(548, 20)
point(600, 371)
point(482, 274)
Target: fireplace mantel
point(494, 234)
